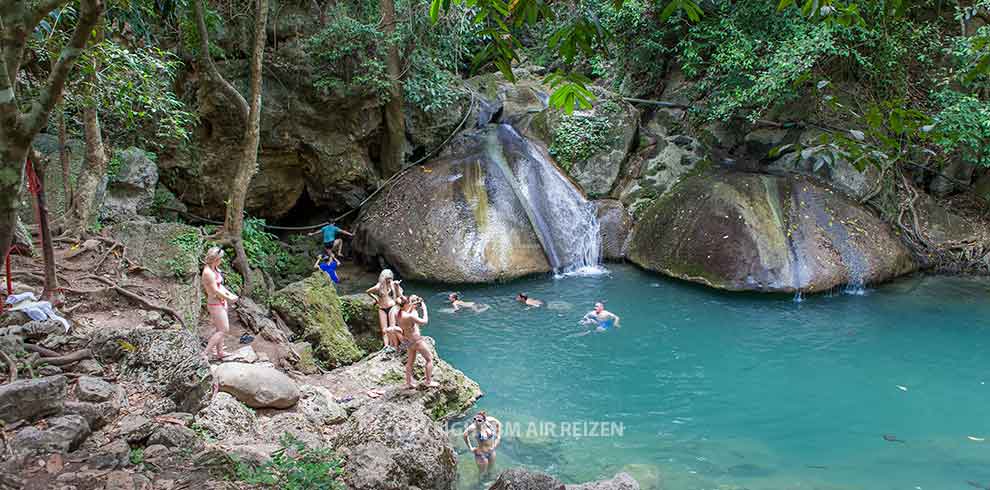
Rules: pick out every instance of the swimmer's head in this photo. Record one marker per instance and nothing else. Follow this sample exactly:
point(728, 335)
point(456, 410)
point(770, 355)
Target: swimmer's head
point(521, 297)
point(480, 417)
point(453, 297)
point(599, 307)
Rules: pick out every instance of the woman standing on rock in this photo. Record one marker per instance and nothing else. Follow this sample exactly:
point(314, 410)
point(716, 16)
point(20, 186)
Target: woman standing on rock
point(217, 297)
point(488, 432)
point(386, 295)
point(410, 321)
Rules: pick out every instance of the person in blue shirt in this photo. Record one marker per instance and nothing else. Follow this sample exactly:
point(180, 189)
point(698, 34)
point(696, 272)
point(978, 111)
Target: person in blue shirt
point(328, 263)
point(332, 244)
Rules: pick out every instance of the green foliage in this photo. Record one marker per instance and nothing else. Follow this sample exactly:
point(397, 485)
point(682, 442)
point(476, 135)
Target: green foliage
point(137, 456)
point(577, 137)
point(262, 248)
point(349, 53)
point(963, 125)
point(189, 243)
point(296, 467)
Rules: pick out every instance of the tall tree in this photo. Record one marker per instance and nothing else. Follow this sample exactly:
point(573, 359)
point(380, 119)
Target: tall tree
point(250, 113)
point(395, 126)
point(21, 120)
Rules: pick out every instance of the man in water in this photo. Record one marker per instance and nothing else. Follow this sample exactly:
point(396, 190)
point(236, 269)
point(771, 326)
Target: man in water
point(332, 244)
point(328, 263)
point(410, 321)
point(458, 304)
point(526, 300)
point(601, 318)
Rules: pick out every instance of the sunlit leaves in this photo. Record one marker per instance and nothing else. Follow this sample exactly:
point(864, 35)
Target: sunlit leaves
point(570, 91)
point(844, 13)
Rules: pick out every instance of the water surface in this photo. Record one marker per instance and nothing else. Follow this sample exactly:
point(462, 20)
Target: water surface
point(707, 390)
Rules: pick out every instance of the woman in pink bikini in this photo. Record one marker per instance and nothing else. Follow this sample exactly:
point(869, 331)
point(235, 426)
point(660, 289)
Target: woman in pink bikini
point(217, 297)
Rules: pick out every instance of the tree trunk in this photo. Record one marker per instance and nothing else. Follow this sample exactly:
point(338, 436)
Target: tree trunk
point(13, 155)
point(93, 171)
point(393, 148)
point(63, 158)
point(41, 211)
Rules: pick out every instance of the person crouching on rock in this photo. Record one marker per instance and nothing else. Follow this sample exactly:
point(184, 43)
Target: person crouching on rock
point(488, 433)
point(217, 297)
point(410, 321)
point(386, 295)
point(328, 263)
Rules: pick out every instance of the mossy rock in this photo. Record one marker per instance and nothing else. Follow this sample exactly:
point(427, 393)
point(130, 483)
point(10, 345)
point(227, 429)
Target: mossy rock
point(361, 316)
point(312, 309)
point(749, 232)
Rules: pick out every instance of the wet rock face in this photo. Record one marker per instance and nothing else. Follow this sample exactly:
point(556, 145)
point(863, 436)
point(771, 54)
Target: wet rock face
point(616, 226)
point(455, 220)
point(131, 190)
point(748, 232)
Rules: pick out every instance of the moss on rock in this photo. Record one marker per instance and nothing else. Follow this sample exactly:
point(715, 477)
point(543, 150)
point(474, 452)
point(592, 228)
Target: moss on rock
point(312, 309)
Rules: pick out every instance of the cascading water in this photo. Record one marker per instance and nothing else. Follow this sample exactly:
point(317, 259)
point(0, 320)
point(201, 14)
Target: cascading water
point(564, 221)
point(852, 258)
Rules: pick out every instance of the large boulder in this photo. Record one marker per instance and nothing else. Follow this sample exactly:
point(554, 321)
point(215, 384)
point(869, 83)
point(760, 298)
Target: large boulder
point(361, 315)
point(61, 435)
point(32, 399)
point(622, 481)
point(495, 208)
point(131, 186)
point(166, 362)
point(168, 250)
point(226, 419)
point(257, 386)
point(312, 310)
point(394, 445)
point(751, 232)
point(840, 173)
point(386, 372)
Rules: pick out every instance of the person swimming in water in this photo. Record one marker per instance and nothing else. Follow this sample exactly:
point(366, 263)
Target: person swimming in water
point(488, 434)
point(603, 319)
point(458, 304)
point(526, 300)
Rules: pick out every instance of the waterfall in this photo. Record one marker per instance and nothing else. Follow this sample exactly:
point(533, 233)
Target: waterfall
point(852, 258)
point(563, 220)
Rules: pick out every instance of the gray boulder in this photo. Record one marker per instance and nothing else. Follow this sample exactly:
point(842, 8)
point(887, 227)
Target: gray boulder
point(131, 190)
point(97, 415)
point(840, 174)
point(389, 445)
point(32, 399)
point(622, 481)
point(520, 479)
point(89, 389)
point(225, 418)
point(166, 362)
point(318, 405)
point(741, 231)
point(257, 386)
point(63, 434)
point(172, 435)
point(135, 428)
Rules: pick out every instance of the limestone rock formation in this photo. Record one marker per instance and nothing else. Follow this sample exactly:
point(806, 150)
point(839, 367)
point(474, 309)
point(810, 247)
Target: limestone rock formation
point(312, 310)
point(765, 233)
point(616, 226)
point(257, 386)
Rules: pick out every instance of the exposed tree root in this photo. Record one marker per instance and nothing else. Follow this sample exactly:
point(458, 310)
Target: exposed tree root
point(72, 358)
point(112, 286)
point(43, 352)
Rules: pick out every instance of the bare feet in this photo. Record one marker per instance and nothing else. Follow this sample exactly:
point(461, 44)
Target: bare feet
point(431, 384)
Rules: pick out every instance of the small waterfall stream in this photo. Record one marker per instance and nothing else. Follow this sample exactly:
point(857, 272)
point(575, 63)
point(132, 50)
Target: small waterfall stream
point(852, 258)
point(563, 220)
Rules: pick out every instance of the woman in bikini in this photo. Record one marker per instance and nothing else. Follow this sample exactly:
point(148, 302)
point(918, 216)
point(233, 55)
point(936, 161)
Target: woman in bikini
point(217, 297)
point(386, 295)
point(410, 321)
point(488, 434)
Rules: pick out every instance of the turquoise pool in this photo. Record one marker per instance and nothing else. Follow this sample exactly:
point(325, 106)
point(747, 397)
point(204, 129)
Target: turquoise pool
point(707, 390)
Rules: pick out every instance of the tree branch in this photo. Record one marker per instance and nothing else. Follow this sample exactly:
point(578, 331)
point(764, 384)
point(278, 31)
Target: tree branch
point(88, 18)
point(43, 8)
point(212, 72)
